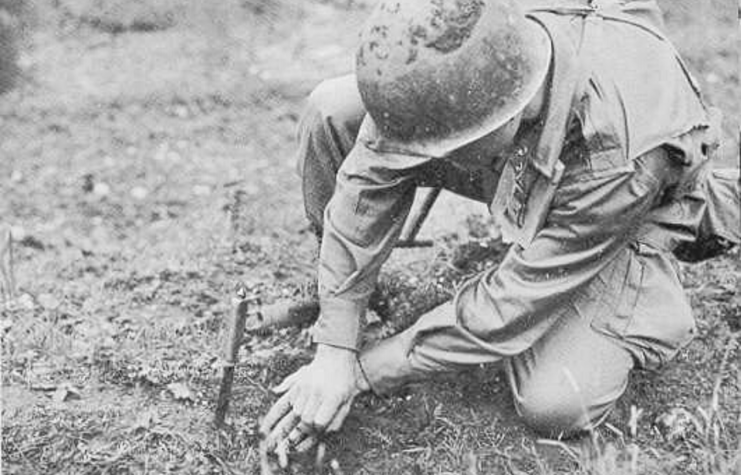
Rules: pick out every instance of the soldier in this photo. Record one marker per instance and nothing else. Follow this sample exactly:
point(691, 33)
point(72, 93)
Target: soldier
point(581, 128)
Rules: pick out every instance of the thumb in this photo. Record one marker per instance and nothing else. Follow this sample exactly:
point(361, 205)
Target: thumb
point(286, 384)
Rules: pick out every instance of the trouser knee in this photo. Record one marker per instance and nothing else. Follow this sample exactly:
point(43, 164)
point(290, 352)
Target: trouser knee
point(556, 416)
point(330, 123)
point(326, 133)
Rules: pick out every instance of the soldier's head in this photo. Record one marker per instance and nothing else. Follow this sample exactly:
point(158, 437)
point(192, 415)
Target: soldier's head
point(436, 75)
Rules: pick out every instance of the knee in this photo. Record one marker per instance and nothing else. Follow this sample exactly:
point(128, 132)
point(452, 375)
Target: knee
point(557, 412)
point(553, 418)
point(330, 122)
point(335, 105)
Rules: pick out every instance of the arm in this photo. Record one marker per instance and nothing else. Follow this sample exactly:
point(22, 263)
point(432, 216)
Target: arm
point(361, 225)
point(362, 222)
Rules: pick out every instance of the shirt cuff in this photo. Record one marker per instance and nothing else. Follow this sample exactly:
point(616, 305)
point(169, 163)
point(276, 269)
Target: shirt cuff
point(339, 323)
point(386, 366)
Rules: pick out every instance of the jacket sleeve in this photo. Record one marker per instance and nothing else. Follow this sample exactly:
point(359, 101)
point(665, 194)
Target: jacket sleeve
point(362, 222)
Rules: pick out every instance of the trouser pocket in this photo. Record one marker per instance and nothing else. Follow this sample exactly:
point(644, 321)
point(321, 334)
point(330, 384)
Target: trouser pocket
point(639, 300)
point(608, 302)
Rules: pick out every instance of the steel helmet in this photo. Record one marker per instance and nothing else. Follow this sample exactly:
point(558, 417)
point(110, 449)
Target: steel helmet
point(437, 74)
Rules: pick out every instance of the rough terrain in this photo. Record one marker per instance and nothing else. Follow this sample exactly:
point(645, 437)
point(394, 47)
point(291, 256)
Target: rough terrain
point(120, 158)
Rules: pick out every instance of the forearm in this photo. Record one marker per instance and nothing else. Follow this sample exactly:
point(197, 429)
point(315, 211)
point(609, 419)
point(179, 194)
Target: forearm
point(361, 225)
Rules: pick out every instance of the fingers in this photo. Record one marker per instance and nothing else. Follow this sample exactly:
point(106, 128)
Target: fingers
point(281, 451)
point(276, 413)
point(307, 406)
point(327, 411)
point(339, 418)
point(306, 444)
point(282, 429)
point(286, 384)
point(299, 433)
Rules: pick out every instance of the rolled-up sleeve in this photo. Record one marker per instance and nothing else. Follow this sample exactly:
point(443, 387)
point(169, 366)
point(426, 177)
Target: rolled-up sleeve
point(362, 222)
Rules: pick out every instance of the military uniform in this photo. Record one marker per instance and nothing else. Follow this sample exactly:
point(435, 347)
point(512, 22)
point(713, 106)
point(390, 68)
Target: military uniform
point(595, 195)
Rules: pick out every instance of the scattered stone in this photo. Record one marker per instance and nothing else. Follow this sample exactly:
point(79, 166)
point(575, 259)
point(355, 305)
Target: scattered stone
point(677, 423)
point(139, 192)
point(161, 152)
point(101, 189)
point(25, 301)
point(181, 112)
point(66, 392)
point(48, 301)
point(18, 233)
point(201, 190)
point(181, 392)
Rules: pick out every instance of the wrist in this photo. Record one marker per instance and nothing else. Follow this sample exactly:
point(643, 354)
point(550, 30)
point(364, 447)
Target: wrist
point(361, 379)
point(324, 350)
point(344, 355)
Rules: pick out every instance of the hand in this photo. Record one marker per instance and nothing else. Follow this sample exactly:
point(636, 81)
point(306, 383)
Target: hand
point(316, 398)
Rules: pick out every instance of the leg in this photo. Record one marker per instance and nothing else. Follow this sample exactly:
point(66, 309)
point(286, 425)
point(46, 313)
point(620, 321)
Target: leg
point(326, 134)
point(570, 379)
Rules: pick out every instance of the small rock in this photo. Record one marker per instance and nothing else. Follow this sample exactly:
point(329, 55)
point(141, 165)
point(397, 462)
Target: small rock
point(181, 111)
point(18, 233)
point(201, 190)
point(372, 318)
point(139, 192)
point(181, 392)
point(65, 392)
point(16, 176)
point(676, 423)
point(161, 152)
point(25, 301)
point(101, 189)
point(49, 301)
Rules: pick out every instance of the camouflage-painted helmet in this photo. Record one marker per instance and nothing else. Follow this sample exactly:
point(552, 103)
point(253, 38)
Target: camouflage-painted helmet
point(437, 74)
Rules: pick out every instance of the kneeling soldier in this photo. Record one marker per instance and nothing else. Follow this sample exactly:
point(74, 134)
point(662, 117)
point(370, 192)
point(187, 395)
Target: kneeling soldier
point(581, 128)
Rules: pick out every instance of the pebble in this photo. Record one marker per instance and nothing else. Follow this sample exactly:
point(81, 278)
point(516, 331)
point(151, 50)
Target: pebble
point(49, 301)
point(25, 301)
point(101, 189)
point(139, 192)
point(18, 233)
point(201, 190)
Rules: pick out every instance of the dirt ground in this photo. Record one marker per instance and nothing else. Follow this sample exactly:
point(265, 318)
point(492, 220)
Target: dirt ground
point(121, 155)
